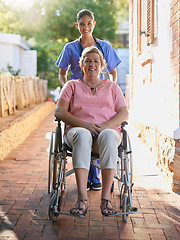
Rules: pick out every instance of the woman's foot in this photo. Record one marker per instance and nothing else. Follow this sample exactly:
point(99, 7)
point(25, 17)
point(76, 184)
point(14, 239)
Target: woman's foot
point(106, 208)
point(80, 209)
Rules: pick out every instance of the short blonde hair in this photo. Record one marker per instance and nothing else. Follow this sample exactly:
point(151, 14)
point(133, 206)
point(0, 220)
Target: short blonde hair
point(92, 50)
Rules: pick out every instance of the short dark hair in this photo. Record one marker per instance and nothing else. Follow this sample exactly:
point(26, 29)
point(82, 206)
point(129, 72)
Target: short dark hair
point(84, 12)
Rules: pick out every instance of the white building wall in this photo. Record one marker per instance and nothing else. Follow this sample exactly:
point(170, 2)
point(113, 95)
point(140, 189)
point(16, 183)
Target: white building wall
point(123, 67)
point(155, 103)
point(16, 57)
point(28, 63)
point(6, 53)
point(15, 51)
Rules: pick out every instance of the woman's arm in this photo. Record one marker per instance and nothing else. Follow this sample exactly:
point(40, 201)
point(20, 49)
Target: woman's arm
point(114, 74)
point(62, 76)
point(61, 112)
point(120, 117)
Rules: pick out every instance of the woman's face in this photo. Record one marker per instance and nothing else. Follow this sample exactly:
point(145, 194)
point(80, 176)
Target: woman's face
point(91, 66)
point(86, 26)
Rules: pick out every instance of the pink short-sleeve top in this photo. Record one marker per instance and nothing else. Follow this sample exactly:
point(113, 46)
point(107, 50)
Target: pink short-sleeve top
point(97, 108)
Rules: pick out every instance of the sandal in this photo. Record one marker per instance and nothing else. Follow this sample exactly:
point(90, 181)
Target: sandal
point(107, 211)
point(79, 211)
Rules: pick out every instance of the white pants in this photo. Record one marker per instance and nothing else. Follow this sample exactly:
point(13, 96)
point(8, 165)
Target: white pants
point(82, 143)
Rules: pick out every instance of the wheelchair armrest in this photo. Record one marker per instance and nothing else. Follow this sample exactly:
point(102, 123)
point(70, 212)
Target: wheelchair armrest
point(123, 144)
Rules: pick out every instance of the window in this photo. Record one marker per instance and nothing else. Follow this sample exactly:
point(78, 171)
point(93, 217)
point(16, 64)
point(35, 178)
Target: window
point(150, 22)
point(146, 23)
point(139, 25)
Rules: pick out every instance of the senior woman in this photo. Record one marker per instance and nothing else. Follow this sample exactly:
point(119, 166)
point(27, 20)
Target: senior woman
point(93, 110)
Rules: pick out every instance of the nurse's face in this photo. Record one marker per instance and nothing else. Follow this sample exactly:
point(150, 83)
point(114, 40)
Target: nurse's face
point(86, 26)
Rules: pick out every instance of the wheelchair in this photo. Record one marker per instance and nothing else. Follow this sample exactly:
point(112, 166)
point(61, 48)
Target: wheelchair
point(57, 173)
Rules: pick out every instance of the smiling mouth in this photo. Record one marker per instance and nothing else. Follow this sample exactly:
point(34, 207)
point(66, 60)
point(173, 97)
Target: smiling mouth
point(87, 31)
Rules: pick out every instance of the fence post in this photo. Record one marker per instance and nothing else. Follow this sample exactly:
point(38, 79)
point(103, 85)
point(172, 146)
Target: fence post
point(1, 96)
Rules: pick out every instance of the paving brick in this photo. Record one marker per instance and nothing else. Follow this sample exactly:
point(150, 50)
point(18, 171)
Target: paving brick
point(64, 235)
point(173, 237)
point(164, 218)
point(101, 224)
point(111, 232)
point(150, 219)
point(94, 215)
point(50, 231)
point(148, 231)
point(128, 236)
point(144, 200)
point(166, 197)
point(4, 209)
point(25, 219)
point(125, 227)
point(157, 237)
point(138, 222)
point(41, 214)
point(94, 235)
point(171, 232)
point(80, 234)
point(20, 232)
point(35, 235)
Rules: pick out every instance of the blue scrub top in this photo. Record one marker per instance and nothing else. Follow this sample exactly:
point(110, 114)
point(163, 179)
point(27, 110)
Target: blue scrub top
point(71, 54)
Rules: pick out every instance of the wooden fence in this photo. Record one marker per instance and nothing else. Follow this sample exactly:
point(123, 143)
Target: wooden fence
point(20, 92)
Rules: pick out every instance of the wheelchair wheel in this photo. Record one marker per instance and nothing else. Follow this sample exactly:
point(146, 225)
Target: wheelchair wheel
point(57, 148)
point(50, 170)
point(52, 216)
point(129, 157)
point(124, 207)
point(118, 172)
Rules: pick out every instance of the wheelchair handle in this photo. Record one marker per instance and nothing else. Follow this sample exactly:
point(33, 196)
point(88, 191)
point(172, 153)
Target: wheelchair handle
point(124, 124)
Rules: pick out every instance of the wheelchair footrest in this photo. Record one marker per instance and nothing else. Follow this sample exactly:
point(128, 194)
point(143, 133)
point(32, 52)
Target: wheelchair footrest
point(66, 213)
point(133, 210)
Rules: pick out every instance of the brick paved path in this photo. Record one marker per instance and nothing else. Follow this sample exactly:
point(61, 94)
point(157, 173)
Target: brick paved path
point(24, 199)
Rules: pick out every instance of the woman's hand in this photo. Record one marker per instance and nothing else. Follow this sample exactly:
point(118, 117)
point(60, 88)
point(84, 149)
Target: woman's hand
point(95, 129)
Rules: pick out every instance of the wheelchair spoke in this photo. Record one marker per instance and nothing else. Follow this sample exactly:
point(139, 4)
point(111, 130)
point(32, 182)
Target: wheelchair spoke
point(50, 164)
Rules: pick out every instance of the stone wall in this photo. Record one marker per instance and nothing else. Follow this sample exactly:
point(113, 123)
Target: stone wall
point(166, 151)
point(175, 167)
point(14, 133)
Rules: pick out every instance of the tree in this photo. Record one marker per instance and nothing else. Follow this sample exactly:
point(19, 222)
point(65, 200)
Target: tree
point(17, 20)
point(55, 19)
point(47, 54)
point(58, 17)
point(51, 23)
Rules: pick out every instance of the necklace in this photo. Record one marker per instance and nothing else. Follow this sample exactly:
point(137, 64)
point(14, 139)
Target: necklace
point(92, 88)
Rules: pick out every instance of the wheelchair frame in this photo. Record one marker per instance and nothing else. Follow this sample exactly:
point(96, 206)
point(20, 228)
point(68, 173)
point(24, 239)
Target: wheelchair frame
point(58, 153)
